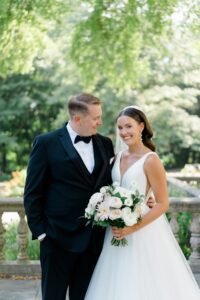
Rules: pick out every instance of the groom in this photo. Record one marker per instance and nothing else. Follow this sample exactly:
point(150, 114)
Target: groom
point(66, 167)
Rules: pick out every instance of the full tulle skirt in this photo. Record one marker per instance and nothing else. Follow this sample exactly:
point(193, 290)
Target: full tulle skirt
point(151, 267)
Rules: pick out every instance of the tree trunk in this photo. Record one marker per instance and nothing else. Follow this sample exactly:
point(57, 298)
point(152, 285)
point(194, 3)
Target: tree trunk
point(3, 158)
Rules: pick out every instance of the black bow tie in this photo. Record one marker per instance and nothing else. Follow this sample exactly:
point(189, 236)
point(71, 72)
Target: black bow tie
point(85, 139)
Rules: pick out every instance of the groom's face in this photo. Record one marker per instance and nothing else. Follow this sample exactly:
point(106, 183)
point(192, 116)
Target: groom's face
point(91, 121)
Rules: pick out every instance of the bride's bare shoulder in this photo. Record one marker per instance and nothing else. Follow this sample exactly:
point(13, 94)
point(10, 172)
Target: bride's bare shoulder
point(153, 162)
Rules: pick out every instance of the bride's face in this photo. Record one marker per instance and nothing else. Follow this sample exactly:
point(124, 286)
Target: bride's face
point(130, 130)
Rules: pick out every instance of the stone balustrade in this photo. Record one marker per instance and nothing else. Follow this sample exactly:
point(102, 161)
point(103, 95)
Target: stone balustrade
point(194, 179)
point(184, 186)
point(187, 177)
point(15, 205)
point(24, 266)
point(193, 206)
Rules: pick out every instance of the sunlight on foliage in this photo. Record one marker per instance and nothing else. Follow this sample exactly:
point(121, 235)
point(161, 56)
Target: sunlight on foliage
point(15, 186)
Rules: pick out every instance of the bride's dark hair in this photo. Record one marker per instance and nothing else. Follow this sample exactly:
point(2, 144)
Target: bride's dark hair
point(139, 117)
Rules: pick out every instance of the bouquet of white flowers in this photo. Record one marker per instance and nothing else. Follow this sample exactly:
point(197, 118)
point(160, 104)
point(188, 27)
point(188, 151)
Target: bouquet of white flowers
point(115, 206)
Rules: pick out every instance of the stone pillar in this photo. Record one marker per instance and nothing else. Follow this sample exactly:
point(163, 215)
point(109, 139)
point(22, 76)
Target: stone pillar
point(195, 239)
point(22, 238)
point(1, 238)
point(174, 224)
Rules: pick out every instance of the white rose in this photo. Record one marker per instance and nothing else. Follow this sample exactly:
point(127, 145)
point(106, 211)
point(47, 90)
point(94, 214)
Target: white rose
point(126, 211)
point(97, 197)
point(115, 202)
point(130, 219)
point(104, 189)
point(89, 210)
point(115, 214)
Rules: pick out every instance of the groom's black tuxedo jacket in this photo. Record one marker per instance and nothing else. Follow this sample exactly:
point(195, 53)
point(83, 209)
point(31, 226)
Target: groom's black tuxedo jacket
point(58, 187)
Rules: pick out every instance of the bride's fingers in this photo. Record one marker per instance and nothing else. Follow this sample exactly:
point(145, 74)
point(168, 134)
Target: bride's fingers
point(116, 232)
point(114, 228)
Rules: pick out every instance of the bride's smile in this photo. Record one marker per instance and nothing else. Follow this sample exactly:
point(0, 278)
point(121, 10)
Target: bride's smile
point(130, 130)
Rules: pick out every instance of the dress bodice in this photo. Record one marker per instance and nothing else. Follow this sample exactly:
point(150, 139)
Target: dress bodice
point(134, 177)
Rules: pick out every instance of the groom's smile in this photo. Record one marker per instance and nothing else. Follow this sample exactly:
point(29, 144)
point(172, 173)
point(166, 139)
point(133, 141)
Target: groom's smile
point(88, 123)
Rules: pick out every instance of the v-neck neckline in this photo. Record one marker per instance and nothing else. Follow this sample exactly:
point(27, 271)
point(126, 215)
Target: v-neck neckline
point(120, 156)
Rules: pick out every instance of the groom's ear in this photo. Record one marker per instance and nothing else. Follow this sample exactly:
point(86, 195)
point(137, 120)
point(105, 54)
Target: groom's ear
point(77, 119)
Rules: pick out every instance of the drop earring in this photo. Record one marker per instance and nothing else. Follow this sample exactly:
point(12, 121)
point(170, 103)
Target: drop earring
point(141, 137)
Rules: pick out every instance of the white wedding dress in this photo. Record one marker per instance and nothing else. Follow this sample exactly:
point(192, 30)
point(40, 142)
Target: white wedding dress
point(151, 267)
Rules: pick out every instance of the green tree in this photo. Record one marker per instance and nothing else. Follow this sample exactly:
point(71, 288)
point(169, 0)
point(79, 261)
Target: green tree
point(26, 110)
point(171, 96)
point(108, 41)
point(24, 27)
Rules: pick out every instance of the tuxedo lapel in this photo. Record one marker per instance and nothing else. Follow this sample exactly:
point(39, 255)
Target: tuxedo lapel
point(102, 152)
point(72, 153)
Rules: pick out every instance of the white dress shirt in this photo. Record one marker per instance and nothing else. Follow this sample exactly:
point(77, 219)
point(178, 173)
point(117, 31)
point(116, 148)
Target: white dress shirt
point(85, 151)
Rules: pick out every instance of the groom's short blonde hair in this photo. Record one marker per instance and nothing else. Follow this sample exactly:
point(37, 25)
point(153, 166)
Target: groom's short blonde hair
point(79, 103)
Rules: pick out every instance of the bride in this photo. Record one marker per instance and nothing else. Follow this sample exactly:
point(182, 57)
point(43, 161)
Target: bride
point(152, 266)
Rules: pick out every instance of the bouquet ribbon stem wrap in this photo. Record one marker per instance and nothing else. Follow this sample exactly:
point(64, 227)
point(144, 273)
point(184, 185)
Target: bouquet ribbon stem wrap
point(123, 242)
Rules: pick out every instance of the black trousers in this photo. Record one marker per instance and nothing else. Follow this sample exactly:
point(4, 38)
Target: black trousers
point(62, 270)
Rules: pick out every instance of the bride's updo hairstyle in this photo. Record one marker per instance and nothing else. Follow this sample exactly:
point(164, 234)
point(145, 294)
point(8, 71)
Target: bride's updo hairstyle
point(138, 115)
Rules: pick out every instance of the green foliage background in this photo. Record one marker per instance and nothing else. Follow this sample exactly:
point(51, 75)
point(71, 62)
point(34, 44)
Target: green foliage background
point(126, 52)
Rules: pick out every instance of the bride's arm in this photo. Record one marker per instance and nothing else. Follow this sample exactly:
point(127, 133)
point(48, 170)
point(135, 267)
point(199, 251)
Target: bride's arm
point(156, 176)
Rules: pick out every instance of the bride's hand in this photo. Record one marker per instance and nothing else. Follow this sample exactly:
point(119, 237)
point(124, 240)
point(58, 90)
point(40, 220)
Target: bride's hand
point(120, 233)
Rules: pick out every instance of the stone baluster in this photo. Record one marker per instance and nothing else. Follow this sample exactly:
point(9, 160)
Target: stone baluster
point(1, 238)
point(174, 224)
point(195, 239)
point(22, 238)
